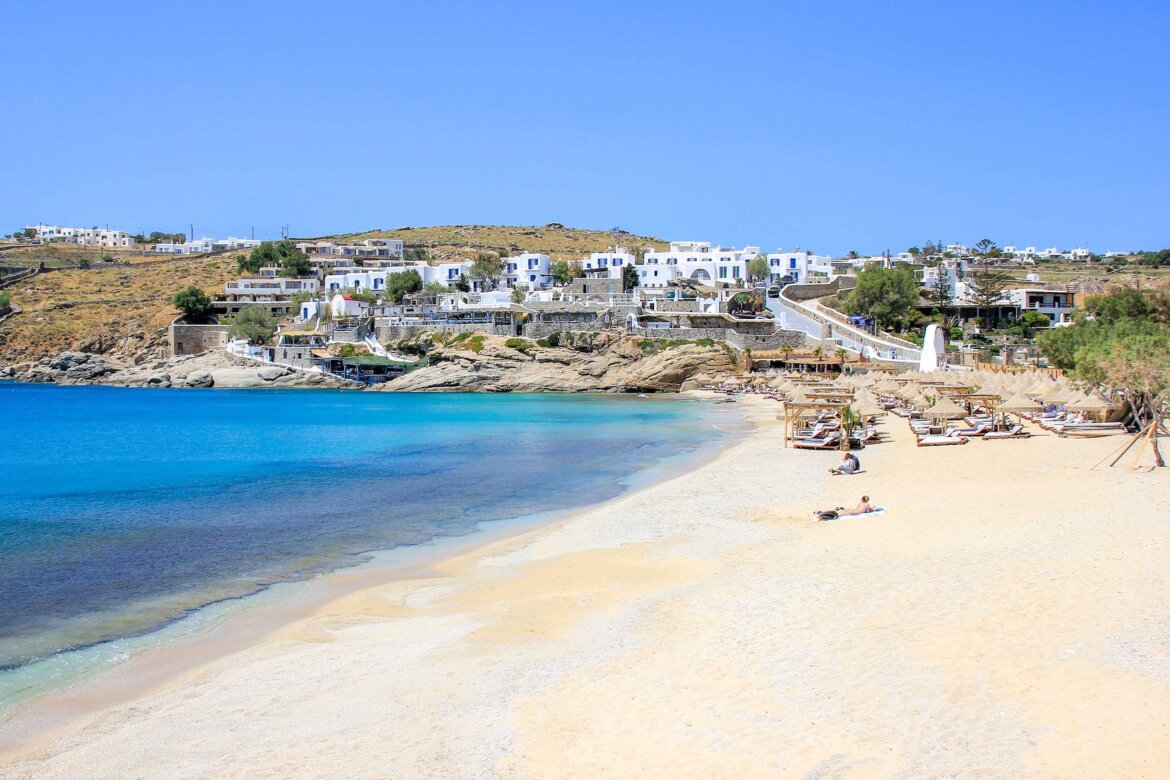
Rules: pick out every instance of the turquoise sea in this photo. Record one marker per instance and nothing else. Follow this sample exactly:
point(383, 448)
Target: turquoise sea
point(124, 510)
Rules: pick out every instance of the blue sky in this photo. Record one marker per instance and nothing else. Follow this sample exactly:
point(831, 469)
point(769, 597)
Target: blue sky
point(832, 126)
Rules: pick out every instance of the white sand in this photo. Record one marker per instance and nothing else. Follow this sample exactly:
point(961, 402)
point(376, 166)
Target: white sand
point(1009, 616)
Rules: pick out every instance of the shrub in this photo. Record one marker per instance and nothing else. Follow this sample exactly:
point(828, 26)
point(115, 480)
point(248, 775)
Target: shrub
point(553, 339)
point(475, 343)
point(4, 298)
point(346, 350)
point(520, 345)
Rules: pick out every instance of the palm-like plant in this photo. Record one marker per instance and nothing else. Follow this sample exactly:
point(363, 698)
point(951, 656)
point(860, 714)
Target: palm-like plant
point(850, 421)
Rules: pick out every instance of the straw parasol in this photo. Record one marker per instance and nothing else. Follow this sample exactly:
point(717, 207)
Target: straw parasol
point(946, 408)
point(1019, 403)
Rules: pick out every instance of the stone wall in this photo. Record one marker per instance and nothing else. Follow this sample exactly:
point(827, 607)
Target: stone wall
point(806, 292)
point(776, 340)
point(185, 339)
point(391, 333)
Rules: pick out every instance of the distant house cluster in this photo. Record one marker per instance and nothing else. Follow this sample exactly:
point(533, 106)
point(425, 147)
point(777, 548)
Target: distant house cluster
point(203, 246)
point(80, 236)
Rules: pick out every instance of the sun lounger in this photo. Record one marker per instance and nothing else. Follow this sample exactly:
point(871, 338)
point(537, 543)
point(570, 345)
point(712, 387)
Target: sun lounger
point(826, 443)
point(943, 440)
point(1015, 432)
point(969, 433)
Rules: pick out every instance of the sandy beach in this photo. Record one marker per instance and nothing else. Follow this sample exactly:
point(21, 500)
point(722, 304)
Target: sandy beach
point(1008, 616)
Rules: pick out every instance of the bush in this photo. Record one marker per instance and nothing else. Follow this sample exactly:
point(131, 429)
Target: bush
point(475, 343)
point(520, 345)
point(346, 350)
point(554, 339)
point(4, 298)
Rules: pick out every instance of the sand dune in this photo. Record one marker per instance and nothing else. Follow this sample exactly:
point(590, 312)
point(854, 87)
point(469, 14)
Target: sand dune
point(1009, 616)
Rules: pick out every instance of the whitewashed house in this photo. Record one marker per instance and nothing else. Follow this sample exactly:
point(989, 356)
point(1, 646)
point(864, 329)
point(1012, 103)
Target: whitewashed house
point(374, 279)
point(608, 264)
point(528, 270)
point(702, 262)
point(798, 266)
point(109, 239)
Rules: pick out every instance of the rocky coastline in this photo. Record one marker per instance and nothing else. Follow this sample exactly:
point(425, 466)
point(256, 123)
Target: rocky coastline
point(486, 364)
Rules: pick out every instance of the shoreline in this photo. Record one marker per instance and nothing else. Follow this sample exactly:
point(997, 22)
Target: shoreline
point(1007, 616)
point(236, 623)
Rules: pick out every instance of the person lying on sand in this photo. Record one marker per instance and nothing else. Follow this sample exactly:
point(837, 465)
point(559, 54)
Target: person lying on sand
point(863, 507)
point(849, 464)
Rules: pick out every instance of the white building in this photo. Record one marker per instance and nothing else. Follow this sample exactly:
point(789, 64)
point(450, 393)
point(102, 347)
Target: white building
point(608, 264)
point(374, 279)
point(528, 270)
point(701, 262)
point(1057, 305)
point(371, 247)
point(109, 239)
point(798, 266)
point(275, 286)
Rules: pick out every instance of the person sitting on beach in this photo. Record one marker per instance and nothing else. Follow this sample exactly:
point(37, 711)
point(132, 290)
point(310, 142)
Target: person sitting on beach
point(863, 507)
point(849, 465)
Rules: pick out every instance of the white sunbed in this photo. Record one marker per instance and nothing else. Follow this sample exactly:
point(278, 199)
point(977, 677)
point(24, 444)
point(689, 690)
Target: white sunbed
point(940, 441)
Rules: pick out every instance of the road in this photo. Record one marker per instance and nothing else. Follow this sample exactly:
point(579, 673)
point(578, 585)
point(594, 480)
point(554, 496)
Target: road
point(789, 316)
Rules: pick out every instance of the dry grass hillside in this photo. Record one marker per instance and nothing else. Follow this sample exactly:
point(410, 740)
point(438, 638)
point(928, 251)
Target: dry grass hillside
point(118, 309)
point(125, 310)
point(555, 240)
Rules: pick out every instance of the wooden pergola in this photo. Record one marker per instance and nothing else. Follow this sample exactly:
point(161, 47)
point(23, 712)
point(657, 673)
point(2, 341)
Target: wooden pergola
point(790, 419)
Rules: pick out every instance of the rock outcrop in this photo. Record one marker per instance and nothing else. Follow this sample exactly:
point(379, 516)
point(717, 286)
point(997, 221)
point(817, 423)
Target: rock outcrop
point(618, 366)
point(488, 364)
point(211, 369)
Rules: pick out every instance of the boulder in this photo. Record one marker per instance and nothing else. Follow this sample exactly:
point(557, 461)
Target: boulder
point(199, 379)
point(272, 373)
point(159, 380)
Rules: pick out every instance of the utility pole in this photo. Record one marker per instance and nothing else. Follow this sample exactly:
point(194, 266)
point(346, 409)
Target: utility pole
point(253, 232)
point(284, 231)
point(192, 232)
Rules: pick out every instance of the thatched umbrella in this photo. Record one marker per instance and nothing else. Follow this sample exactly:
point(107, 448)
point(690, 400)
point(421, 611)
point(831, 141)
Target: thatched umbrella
point(946, 409)
point(1094, 403)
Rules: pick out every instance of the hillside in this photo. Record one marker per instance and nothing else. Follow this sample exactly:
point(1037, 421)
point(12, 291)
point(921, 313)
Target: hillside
point(125, 310)
point(454, 241)
point(121, 310)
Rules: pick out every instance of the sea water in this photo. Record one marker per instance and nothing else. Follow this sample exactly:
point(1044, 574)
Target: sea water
point(123, 510)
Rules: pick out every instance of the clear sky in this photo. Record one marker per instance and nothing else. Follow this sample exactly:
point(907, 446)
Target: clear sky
point(831, 126)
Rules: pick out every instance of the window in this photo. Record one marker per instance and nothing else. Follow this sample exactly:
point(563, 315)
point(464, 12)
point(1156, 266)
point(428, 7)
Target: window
point(792, 263)
point(722, 272)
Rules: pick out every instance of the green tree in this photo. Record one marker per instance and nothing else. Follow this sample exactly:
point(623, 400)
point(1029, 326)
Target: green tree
point(436, 287)
point(400, 284)
point(193, 302)
point(253, 323)
point(986, 288)
point(629, 277)
point(416, 254)
point(757, 268)
point(985, 247)
point(295, 264)
point(561, 271)
point(940, 292)
point(889, 295)
point(1030, 322)
point(488, 267)
point(916, 251)
point(519, 294)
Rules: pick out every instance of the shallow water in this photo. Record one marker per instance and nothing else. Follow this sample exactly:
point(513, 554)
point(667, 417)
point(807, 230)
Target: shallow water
point(122, 510)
